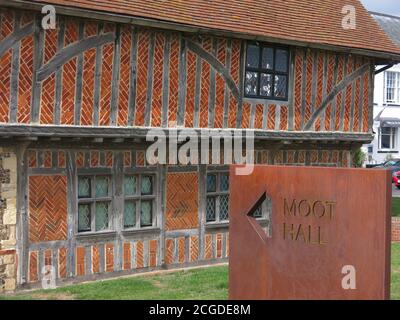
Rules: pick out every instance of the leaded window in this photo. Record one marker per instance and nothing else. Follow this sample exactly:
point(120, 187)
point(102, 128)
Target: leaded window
point(217, 199)
point(94, 203)
point(139, 201)
point(267, 72)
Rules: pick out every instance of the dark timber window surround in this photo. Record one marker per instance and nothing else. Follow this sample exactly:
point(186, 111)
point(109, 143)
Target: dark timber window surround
point(266, 72)
point(217, 197)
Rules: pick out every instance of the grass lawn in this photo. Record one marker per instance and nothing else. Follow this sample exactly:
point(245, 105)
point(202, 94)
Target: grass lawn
point(396, 207)
point(197, 284)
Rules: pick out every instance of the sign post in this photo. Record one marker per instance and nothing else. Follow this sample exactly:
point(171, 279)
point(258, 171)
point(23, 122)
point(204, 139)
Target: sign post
point(310, 233)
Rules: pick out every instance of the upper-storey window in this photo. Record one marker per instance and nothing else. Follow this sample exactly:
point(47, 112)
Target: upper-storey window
point(392, 82)
point(267, 72)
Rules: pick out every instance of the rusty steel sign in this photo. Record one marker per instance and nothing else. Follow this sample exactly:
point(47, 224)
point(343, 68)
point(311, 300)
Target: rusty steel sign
point(310, 233)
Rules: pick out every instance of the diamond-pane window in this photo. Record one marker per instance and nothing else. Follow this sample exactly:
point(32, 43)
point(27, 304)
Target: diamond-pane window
point(84, 187)
point(130, 185)
point(217, 199)
point(146, 214)
point(101, 187)
point(224, 208)
point(266, 84)
point(84, 221)
point(268, 77)
point(280, 86)
point(282, 59)
point(251, 83)
point(147, 185)
point(224, 182)
point(101, 220)
point(210, 209)
point(253, 56)
point(267, 58)
point(211, 182)
point(130, 214)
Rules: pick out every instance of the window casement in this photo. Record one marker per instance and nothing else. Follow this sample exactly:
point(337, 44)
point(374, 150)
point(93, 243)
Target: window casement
point(139, 201)
point(94, 203)
point(266, 72)
point(392, 87)
point(387, 138)
point(217, 197)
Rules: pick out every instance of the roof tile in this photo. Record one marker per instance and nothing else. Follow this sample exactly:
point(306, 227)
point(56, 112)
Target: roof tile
point(309, 21)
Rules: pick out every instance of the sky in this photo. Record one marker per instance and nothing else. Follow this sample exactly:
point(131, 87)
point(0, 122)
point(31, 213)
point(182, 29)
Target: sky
point(384, 6)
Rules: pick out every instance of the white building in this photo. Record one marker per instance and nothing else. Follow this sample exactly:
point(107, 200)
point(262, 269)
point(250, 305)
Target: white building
point(386, 144)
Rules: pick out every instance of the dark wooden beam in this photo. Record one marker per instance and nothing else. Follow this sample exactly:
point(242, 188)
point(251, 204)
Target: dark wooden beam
point(140, 134)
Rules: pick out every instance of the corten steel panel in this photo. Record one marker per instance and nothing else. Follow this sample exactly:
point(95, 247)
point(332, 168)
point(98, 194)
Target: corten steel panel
point(357, 233)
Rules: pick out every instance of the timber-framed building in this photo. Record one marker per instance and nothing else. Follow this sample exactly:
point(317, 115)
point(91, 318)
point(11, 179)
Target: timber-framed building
point(77, 101)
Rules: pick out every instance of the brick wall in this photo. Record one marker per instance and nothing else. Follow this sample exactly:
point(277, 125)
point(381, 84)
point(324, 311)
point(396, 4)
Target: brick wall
point(171, 78)
point(8, 182)
point(396, 229)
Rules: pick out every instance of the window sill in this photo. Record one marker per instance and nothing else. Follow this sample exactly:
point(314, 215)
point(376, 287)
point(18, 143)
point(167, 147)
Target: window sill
point(388, 151)
point(105, 234)
point(259, 100)
point(150, 230)
point(217, 225)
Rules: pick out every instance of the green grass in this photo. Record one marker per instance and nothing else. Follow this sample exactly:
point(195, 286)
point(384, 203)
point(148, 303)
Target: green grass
point(396, 207)
point(197, 284)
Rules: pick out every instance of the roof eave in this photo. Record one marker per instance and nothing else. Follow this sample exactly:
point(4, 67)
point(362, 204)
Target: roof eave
point(384, 57)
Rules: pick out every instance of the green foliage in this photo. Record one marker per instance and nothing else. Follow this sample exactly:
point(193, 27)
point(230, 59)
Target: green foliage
point(359, 158)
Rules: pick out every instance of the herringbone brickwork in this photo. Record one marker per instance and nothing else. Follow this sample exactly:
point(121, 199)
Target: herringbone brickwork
point(173, 80)
point(142, 73)
point(205, 85)
point(47, 208)
point(156, 113)
point(97, 87)
point(182, 201)
point(125, 76)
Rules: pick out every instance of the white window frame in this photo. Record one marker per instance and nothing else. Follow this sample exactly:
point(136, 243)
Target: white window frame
point(393, 138)
point(395, 87)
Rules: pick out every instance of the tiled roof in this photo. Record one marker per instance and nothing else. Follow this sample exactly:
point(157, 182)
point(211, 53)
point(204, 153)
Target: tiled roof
point(305, 21)
point(390, 24)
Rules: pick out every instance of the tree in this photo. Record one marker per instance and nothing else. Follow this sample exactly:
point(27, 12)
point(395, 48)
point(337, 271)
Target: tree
point(359, 158)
